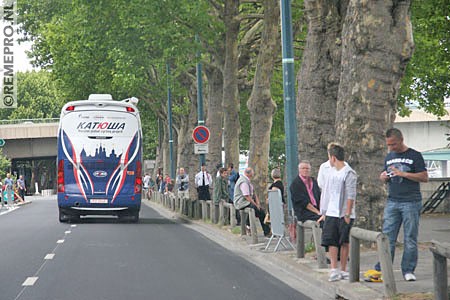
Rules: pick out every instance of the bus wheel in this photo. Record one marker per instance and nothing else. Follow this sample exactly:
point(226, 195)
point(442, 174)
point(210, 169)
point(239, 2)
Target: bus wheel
point(135, 217)
point(63, 218)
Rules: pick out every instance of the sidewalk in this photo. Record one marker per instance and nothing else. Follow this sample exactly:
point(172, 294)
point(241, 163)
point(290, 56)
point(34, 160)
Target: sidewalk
point(303, 274)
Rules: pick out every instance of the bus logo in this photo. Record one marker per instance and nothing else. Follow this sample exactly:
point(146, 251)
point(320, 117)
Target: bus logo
point(100, 173)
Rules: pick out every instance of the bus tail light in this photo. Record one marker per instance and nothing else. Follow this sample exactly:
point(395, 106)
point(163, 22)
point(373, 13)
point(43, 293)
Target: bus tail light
point(61, 176)
point(138, 180)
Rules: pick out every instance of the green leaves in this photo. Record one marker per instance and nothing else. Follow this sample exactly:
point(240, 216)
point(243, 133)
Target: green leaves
point(427, 79)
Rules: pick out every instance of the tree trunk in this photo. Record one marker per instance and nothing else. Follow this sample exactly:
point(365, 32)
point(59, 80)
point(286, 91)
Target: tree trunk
point(260, 103)
point(318, 80)
point(165, 150)
point(187, 159)
point(215, 115)
point(231, 101)
point(377, 44)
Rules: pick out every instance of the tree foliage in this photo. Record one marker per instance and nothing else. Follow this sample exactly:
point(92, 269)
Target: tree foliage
point(38, 97)
point(427, 79)
point(5, 164)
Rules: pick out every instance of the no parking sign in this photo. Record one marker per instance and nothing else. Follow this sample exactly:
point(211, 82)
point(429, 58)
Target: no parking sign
point(200, 134)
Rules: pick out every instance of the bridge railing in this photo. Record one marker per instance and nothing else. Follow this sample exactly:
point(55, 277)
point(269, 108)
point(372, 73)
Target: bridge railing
point(29, 121)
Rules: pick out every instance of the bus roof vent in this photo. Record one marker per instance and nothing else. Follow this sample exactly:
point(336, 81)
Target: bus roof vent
point(100, 97)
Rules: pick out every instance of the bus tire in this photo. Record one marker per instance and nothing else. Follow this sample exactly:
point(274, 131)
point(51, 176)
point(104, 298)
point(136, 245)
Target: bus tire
point(63, 218)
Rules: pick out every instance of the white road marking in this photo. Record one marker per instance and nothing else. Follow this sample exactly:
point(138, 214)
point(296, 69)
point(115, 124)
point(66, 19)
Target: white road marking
point(67, 232)
point(30, 281)
point(60, 241)
point(74, 225)
point(49, 256)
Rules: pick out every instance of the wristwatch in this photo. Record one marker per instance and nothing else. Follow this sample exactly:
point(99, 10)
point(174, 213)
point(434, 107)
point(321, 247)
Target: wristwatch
point(347, 216)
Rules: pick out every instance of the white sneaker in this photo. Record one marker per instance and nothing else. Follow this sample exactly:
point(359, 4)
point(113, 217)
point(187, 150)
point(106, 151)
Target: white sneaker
point(344, 275)
point(335, 275)
point(410, 277)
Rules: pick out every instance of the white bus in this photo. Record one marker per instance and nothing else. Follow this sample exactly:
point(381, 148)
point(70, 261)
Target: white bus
point(99, 158)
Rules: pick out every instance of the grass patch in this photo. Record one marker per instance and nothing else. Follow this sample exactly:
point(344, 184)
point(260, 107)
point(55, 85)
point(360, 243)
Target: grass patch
point(236, 230)
point(414, 296)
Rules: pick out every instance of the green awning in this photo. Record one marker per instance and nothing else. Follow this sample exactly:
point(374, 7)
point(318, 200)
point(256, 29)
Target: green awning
point(438, 154)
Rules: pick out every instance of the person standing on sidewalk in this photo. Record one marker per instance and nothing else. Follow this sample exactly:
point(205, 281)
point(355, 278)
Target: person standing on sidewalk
point(404, 169)
point(339, 193)
point(203, 181)
point(22, 188)
point(220, 191)
point(9, 190)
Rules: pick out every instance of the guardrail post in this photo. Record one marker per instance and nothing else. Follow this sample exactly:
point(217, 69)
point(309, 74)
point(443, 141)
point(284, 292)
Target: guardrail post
point(243, 222)
point(386, 265)
point(233, 221)
point(203, 208)
point(300, 240)
point(320, 251)
point(221, 213)
point(440, 282)
point(441, 251)
point(252, 217)
point(354, 263)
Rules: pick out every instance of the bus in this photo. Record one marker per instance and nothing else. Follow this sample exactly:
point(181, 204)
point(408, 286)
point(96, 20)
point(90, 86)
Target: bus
point(99, 160)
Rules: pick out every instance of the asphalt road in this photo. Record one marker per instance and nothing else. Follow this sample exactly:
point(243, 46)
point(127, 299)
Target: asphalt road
point(102, 259)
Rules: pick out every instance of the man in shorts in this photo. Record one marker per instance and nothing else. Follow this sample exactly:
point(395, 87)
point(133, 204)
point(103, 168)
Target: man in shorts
point(339, 192)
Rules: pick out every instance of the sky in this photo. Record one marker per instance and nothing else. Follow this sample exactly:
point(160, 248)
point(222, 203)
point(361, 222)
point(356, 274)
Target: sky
point(22, 62)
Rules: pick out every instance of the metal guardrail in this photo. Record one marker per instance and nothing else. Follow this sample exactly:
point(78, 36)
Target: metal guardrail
point(29, 121)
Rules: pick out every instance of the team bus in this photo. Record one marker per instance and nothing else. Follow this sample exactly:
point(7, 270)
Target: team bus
point(99, 158)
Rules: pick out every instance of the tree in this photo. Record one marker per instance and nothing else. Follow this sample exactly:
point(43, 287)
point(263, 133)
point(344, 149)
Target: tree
point(38, 97)
point(260, 103)
point(5, 164)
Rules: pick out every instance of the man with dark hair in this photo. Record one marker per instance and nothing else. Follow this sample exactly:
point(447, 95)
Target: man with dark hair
point(339, 194)
point(203, 181)
point(404, 169)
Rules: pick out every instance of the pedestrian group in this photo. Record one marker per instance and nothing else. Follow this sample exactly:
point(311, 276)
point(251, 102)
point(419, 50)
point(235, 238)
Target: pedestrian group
point(329, 200)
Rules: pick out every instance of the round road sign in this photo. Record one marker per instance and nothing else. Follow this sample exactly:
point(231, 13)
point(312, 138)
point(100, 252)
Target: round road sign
point(200, 134)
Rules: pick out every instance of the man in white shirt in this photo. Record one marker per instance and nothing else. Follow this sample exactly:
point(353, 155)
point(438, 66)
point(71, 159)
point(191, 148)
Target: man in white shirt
point(203, 181)
point(339, 194)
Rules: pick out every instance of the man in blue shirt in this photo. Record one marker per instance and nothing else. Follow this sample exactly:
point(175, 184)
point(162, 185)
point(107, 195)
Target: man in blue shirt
point(404, 169)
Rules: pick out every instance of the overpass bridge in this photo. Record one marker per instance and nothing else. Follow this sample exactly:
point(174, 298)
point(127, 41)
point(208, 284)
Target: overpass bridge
point(31, 146)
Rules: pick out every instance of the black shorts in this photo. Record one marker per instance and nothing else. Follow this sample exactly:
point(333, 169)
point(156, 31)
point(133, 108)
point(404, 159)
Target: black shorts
point(335, 231)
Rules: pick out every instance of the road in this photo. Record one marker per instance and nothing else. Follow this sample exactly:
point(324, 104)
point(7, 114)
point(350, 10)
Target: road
point(102, 259)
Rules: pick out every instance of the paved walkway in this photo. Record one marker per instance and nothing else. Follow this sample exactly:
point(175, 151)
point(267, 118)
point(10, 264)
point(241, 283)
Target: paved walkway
point(304, 275)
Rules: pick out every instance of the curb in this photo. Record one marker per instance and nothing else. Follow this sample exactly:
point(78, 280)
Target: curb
point(24, 203)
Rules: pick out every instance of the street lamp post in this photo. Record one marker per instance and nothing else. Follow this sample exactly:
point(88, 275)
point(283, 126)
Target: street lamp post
point(290, 121)
point(201, 121)
point(169, 113)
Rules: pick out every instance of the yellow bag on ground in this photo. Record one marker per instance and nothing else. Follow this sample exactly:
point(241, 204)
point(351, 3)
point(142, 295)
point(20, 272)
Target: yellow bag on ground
point(373, 276)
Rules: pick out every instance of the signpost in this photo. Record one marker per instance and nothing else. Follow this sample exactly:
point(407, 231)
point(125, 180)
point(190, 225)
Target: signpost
point(200, 134)
point(2, 142)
